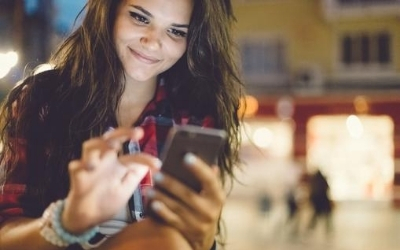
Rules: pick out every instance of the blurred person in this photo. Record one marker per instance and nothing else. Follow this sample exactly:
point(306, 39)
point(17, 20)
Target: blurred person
point(295, 199)
point(81, 141)
point(264, 204)
point(273, 186)
point(320, 201)
point(292, 204)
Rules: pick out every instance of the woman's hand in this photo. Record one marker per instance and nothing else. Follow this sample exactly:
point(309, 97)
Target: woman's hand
point(194, 214)
point(103, 180)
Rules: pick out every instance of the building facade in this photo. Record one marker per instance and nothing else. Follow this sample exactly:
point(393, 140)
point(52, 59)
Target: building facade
point(334, 60)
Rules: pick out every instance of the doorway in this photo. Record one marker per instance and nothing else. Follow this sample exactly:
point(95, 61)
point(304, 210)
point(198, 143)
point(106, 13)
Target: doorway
point(355, 153)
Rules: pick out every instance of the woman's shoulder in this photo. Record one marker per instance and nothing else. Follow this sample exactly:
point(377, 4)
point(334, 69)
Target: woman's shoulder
point(40, 83)
point(46, 76)
point(36, 87)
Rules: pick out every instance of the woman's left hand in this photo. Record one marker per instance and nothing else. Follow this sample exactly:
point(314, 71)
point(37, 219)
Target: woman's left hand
point(194, 214)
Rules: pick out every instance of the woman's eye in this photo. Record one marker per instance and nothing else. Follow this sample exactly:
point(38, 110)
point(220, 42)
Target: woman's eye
point(139, 18)
point(177, 33)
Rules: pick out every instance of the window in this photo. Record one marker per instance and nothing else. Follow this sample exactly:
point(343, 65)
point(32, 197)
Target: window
point(263, 61)
point(366, 49)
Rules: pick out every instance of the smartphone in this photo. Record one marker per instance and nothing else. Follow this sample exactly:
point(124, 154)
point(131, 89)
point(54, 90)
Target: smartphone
point(205, 143)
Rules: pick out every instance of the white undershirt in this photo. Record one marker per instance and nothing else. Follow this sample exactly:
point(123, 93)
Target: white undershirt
point(117, 223)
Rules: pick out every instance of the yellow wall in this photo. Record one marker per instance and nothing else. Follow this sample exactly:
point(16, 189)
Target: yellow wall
point(309, 37)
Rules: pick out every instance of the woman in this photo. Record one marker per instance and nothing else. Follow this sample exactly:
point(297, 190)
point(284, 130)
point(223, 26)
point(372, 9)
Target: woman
point(81, 138)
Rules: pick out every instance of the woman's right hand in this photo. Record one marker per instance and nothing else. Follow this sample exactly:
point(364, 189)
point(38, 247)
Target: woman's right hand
point(102, 181)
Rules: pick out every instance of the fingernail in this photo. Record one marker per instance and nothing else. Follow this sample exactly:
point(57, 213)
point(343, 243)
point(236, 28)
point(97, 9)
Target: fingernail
point(108, 131)
point(158, 177)
point(156, 205)
point(158, 163)
point(189, 159)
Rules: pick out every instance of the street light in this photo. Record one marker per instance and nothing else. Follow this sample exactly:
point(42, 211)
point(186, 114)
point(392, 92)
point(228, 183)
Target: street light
point(7, 61)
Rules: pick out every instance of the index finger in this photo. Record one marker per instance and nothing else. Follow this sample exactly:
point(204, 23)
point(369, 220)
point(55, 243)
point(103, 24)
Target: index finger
point(121, 135)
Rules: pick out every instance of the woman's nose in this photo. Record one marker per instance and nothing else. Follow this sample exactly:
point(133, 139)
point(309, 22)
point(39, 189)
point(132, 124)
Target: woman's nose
point(151, 40)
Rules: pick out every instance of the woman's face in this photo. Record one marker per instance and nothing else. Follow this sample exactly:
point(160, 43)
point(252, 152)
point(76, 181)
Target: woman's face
point(150, 35)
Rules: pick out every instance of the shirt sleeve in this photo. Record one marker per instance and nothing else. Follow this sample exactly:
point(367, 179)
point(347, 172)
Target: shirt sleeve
point(13, 184)
point(13, 168)
point(9, 196)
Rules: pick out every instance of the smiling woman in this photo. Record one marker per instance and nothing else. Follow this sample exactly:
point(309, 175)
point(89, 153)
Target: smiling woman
point(80, 167)
point(150, 37)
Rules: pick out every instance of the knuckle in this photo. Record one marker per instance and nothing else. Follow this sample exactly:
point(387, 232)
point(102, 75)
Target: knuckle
point(171, 217)
point(210, 217)
point(73, 166)
point(201, 229)
point(188, 194)
point(85, 144)
point(177, 209)
point(90, 143)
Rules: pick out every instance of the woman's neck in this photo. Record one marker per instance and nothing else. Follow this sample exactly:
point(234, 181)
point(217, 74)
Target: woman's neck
point(134, 99)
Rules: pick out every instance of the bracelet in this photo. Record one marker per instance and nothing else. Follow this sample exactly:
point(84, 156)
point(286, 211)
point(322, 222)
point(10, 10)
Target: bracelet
point(53, 231)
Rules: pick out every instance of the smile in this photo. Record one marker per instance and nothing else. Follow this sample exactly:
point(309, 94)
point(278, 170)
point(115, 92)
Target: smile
point(144, 58)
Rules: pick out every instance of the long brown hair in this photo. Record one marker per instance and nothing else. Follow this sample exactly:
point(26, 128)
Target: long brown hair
point(59, 110)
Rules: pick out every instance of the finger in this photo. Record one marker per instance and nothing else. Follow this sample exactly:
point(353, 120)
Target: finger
point(103, 161)
point(167, 215)
point(153, 163)
point(95, 144)
point(177, 205)
point(75, 166)
point(111, 140)
point(203, 207)
point(138, 165)
point(205, 174)
point(77, 169)
point(179, 190)
point(121, 135)
point(178, 217)
point(133, 177)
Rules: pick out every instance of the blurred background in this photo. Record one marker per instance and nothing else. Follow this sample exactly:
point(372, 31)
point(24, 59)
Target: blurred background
point(323, 85)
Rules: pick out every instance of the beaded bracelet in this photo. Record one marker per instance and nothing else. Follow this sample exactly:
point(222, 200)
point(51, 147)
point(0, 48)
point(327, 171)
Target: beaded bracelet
point(53, 231)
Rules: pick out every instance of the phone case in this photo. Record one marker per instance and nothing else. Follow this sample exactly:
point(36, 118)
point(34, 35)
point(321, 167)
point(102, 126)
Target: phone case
point(206, 143)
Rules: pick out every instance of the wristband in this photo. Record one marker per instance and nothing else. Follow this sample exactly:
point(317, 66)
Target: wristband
point(53, 231)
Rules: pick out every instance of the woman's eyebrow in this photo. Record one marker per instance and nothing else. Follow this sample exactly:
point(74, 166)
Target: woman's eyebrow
point(150, 15)
point(180, 25)
point(142, 10)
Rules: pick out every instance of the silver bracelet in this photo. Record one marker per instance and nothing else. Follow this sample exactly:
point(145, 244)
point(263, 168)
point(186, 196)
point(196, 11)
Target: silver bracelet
point(53, 231)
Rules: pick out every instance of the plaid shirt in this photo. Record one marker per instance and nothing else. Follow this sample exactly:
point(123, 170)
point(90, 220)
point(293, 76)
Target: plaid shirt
point(156, 120)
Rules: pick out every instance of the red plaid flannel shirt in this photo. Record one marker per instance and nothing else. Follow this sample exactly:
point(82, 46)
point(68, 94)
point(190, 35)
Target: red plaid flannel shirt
point(156, 122)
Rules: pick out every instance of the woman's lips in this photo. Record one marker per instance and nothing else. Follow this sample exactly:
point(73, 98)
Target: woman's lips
point(144, 58)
